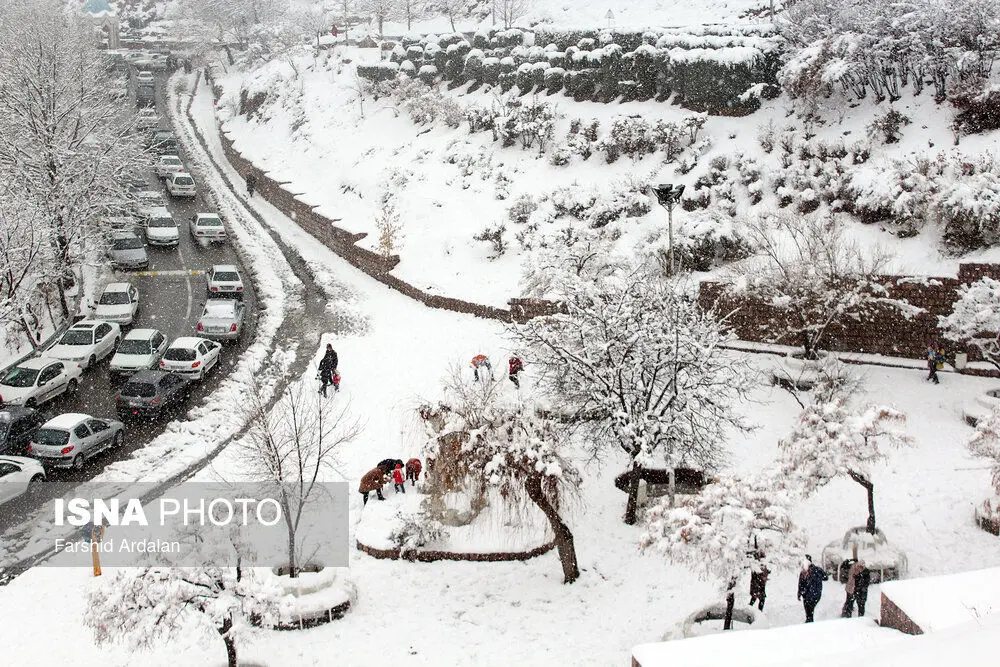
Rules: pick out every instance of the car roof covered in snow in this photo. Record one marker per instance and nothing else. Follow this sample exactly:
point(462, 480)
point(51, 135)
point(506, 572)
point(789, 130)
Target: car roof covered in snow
point(37, 363)
point(117, 287)
point(140, 334)
point(231, 268)
point(220, 308)
point(66, 421)
point(187, 342)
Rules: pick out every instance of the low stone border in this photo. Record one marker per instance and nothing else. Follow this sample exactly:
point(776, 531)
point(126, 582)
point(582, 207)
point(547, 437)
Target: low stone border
point(329, 616)
point(431, 556)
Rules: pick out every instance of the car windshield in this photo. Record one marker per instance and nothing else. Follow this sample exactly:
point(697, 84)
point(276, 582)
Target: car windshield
point(78, 337)
point(162, 222)
point(209, 222)
point(183, 180)
point(227, 277)
point(180, 354)
point(114, 299)
point(135, 347)
point(51, 436)
point(20, 377)
point(138, 390)
point(128, 243)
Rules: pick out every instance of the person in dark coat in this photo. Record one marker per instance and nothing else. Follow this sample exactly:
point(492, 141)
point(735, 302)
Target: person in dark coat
point(251, 183)
point(758, 587)
point(373, 480)
point(811, 587)
point(388, 465)
point(859, 578)
point(935, 359)
point(327, 368)
point(514, 366)
point(413, 469)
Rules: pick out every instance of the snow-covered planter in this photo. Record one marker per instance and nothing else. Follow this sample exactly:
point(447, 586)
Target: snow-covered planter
point(317, 596)
point(988, 515)
point(886, 561)
point(696, 625)
point(981, 407)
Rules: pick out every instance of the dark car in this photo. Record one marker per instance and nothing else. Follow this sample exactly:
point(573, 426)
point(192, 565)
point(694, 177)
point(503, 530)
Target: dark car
point(17, 426)
point(150, 394)
point(145, 95)
point(161, 142)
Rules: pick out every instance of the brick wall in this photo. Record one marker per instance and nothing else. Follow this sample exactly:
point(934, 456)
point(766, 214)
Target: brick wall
point(885, 332)
point(894, 617)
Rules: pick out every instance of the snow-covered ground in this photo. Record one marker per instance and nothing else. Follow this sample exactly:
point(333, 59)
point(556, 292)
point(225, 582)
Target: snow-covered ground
point(521, 613)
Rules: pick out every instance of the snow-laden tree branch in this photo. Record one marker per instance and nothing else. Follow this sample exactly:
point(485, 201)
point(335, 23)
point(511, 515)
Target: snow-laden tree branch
point(814, 278)
point(975, 318)
point(731, 527)
point(292, 448)
point(986, 442)
point(832, 438)
point(642, 366)
point(510, 448)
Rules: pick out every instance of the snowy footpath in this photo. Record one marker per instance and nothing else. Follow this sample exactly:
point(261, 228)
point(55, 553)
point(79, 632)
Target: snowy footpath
point(520, 613)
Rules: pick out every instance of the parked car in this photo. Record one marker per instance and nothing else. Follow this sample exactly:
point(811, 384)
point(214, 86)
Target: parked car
point(147, 119)
point(17, 425)
point(191, 357)
point(161, 142)
point(161, 230)
point(158, 61)
point(151, 394)
point(86, 342)
point(167, 165)
point(222, 319)
point(39, 379)
point(207, 227)
point(150, 199)
point(145, 76)
point(140, 349)
point(127, 251)
point(145, 96)
point(71, 439)
point(224, 281)
point(119, 303)
point(19, 476)
point(180, 184)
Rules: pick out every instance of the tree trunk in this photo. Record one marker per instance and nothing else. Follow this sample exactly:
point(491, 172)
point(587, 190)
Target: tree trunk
point(632, 507)
point(870, 489)
point(564, 537)
point(381, 23)
point(63, 303)
point(451, 18)
point(293, 570)
point(227, 625)
point(727, 624)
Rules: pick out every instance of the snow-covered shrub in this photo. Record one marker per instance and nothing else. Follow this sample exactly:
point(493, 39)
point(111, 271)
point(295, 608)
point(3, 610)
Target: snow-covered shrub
point(415, 54)
point(522, 208)
point(631, 136)
point(975, 319)
point(494, 235)
point(501, 184)
point(561, 154)
point(554, 79)
point(888, 126)
point(428, 74)
point(696, 198)
point(668, 137)
point(506, 80)
point(413, 532)
point(970, 210)
point(480, 118)
point(407, 67)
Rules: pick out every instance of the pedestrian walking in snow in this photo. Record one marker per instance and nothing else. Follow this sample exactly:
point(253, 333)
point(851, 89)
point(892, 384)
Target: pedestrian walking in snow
point(811, 586)
point(935, 362)
point(397, 478)
point(413, 469)
point(327, 370)
point(251, 183)
point(859, 577)
point(514, 366)
point(758, 586)
point(373, 480)
point(481, 361)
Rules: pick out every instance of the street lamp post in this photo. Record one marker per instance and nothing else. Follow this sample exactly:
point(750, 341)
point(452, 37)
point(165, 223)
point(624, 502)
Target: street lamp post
point(668, 195)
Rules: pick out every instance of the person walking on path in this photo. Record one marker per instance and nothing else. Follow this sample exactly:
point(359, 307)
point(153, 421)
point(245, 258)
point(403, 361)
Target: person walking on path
point(373, 480)
point(481, 361)
point(514, 366)
point(935, 362)
point(251, 183)
point(859, 577)
point(811, 587)
point(327, 369)
point(758, 587)
point(397, 478)
point(413, 469)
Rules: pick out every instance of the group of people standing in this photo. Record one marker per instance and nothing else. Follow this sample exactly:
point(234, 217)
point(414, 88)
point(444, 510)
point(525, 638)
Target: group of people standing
point(810, 590)
point(387, 469)
point(482, 362)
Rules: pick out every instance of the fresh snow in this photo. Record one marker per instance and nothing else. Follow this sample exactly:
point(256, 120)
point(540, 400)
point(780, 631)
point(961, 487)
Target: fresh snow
point(947, 601)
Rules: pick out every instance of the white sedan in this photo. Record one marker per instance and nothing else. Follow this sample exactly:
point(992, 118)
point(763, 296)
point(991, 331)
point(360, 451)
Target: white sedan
point(19, 476)
point(180, 184)
point(86, 342)
point(141, 349)
point(167, 165)
point(191, 357)
point(224, 280)
point(37, 380)
point(118, 303)
point(207, 227)
point(162, 230)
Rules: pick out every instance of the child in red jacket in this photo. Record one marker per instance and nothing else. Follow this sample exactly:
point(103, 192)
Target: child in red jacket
point(397, 478)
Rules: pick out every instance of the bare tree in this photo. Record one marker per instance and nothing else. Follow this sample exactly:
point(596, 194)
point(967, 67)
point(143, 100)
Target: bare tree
point(66, 141)
point(291, 447)
point(381, 11)
point(636, 361)
point(25, 253)
point(510, 449)
point(412, 10)
point(813, 277)
point(452, 9)
point(510, 11)
point(389, 228)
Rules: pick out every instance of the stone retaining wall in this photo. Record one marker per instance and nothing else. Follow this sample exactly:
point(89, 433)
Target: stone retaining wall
point(432, 556)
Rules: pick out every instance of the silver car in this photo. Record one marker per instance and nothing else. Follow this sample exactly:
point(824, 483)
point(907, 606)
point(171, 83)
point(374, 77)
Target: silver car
point(71, 439)
point(207, 227)
point(222, 319)
point(127, 251)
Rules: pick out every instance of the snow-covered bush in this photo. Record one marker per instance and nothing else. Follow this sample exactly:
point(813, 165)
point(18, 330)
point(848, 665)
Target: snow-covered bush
point(561, 154)
point(888, 126)
point(630, 135)
point(494, 235)
point(975, 319)
point(522, 208)
point(414, 531)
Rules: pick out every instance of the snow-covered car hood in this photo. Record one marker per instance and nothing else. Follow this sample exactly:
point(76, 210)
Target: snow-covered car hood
point(15, 395)
point(103, 312)
point(71, 352)
point(129, 255)
point(132, 360)
point(162, 232)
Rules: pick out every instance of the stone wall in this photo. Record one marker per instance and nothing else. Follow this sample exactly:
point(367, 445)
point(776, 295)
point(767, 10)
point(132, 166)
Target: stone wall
point(886, 332)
